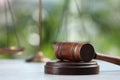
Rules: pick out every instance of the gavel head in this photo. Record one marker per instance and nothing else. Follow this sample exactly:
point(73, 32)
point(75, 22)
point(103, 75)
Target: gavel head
point(74, 51)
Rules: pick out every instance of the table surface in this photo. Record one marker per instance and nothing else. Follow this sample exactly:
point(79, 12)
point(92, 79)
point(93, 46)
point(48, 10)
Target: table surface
point(20, 70)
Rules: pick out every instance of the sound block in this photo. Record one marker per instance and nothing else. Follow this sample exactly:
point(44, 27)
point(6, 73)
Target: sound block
point(71, 68)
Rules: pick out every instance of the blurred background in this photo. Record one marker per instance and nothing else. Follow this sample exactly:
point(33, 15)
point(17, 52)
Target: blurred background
point(94, 21)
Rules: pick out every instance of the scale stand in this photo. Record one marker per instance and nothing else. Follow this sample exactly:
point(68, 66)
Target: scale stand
point(39, 57)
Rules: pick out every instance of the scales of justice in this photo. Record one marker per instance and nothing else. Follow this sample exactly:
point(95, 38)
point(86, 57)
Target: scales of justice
point(9, 49)
point(74, 58)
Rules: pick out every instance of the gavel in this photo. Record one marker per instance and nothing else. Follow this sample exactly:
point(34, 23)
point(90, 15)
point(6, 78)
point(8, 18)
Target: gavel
point(76, 52)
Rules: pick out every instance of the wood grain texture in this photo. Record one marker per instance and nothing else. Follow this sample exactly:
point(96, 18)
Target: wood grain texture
point(74, 51)
point(112, 59)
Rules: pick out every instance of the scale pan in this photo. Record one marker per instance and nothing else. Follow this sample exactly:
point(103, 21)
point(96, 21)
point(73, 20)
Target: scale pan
point(11, 50)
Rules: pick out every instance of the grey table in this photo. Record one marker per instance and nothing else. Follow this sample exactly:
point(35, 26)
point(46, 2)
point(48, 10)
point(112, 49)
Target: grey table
point(20, 70)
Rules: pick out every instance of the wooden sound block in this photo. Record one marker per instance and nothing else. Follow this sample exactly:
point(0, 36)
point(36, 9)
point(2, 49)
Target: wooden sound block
point(71, 68)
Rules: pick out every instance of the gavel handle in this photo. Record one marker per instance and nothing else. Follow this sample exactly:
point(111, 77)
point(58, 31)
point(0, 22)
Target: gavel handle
point(111, 59)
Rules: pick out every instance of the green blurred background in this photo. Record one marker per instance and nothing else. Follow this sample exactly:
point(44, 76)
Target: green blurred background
point(94, 21)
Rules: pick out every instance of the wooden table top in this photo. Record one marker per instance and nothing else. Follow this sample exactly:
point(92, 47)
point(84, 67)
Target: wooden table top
point(20, 70)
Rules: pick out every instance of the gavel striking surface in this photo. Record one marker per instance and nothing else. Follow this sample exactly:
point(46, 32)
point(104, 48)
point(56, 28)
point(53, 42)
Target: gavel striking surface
point(71, 68)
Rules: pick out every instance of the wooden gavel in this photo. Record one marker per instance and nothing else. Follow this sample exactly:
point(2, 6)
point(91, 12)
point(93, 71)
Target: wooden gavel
point(74, 51)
